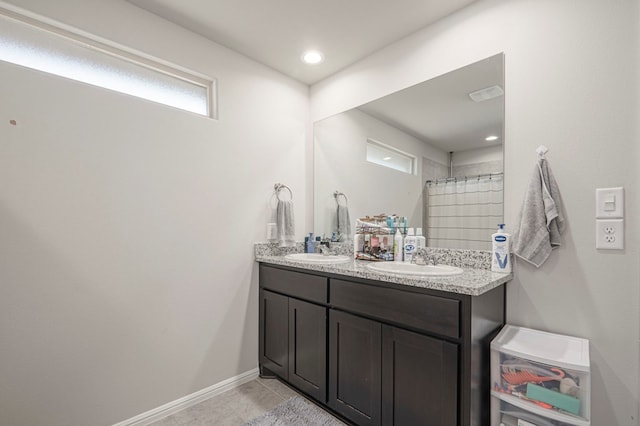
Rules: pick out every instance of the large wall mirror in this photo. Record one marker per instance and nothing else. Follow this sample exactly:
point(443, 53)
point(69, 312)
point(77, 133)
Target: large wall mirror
point(432, 153)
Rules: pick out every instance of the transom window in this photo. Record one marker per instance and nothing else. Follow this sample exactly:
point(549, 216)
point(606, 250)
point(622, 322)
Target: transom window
point(388, 156)
point(33, 43)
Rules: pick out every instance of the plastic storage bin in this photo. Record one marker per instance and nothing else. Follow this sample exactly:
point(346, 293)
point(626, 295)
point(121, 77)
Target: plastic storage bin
point(511, 415)
point(540, 379)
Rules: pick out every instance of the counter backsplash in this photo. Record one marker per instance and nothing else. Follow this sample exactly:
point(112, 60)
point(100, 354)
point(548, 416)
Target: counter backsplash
point(476, 259)
point(272, 249)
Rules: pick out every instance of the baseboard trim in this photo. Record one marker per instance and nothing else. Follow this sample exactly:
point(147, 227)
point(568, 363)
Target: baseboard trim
point(189, 400)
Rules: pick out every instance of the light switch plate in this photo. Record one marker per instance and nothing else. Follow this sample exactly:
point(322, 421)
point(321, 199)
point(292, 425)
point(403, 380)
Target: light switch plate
point(610, 203)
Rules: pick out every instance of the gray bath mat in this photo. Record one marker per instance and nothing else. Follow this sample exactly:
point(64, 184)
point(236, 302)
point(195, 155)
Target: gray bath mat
point(295, 412)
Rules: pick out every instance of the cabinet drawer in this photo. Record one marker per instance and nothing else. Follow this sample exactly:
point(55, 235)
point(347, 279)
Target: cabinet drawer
point(420, 311)
point(296, 284)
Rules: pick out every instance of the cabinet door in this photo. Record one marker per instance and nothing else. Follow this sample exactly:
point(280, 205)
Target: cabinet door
point(308, 348)
point(419, 379)
point(354, 367)
point(274, 336)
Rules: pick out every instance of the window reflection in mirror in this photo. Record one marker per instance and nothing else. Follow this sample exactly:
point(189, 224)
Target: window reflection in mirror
point(458, 144)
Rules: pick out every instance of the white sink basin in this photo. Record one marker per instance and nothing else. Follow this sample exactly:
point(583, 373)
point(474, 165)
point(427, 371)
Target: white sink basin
point(317, 258)
point(406, 268)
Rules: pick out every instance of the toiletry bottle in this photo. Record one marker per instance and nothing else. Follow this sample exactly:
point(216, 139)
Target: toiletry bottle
point(410, 243)
point(421, 240)
point(500, 259)
point(398, 246)
point(311, 245)
point(358, 244)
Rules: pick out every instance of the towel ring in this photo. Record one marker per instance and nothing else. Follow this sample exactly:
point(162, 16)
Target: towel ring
point(278, 187)
point(338, 194)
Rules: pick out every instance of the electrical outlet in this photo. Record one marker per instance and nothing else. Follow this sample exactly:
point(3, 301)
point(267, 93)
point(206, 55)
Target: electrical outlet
point(610, 234)
point(272, 232)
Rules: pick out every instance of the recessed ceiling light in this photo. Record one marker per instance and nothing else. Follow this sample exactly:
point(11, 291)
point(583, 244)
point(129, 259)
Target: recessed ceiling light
point(387, 158)
point(491, 138)
point(486, 93)
point(312, 57)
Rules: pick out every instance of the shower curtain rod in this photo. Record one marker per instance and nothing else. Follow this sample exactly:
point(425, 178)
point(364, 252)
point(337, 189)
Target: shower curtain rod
point(455, 179)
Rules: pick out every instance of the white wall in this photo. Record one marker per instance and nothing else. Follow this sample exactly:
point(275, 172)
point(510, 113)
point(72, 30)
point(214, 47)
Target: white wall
point(572, 84)
point(126, 227)
point(478, 155)
point(340, 164)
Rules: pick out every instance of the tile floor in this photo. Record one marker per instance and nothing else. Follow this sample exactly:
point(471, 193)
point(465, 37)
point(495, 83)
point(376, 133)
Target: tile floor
point(233, 407)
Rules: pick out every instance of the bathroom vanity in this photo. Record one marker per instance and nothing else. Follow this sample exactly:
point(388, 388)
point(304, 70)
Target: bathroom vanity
point(381, 349)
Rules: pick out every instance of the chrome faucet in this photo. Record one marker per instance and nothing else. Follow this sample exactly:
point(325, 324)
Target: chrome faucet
point(325, 250)
point(422, 257)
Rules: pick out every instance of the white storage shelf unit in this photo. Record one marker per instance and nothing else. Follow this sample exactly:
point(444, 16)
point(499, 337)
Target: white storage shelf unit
point(540, 379)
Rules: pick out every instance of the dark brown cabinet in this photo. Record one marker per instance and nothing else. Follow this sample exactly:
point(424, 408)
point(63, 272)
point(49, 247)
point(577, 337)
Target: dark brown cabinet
point(419, 379)
point(379, 374)
point(378, 353)
point(308, 348)
point(355, 367)
point(293, 332)
point(274, 339)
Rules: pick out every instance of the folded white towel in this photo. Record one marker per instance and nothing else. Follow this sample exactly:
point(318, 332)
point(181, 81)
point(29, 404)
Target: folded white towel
point(541, 218)
point(285, 224)
point(344, 221)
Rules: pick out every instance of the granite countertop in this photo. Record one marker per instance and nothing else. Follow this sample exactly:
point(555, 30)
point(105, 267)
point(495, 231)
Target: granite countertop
point(474, 281)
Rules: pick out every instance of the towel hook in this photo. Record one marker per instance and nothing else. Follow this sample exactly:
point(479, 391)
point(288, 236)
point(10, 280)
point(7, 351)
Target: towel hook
point(542, 151)
point(338, 194)
point(280, 187)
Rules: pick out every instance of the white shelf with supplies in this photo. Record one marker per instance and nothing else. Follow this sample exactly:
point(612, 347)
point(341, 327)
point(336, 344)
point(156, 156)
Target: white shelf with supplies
point(539, 379)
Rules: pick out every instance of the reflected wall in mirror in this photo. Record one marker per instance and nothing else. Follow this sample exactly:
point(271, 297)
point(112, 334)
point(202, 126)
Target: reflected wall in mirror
point(424, 152)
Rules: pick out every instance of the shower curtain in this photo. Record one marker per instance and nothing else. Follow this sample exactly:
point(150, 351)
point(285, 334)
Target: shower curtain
point(462, 213)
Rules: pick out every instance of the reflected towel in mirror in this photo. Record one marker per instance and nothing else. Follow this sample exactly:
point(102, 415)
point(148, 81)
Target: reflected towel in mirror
point(344, 221)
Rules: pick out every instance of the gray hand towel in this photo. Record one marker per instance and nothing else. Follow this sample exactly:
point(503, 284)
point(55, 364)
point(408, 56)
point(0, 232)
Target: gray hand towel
point(285, 224)
point(344, 221)
point(541, 218)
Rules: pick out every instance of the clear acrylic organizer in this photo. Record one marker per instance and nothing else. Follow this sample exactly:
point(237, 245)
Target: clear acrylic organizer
point(539, 378)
